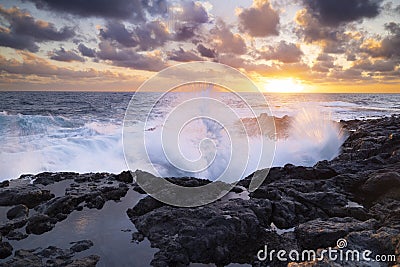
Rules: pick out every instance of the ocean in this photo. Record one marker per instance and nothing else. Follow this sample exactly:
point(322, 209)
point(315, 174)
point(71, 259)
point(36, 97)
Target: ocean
point(82, 131)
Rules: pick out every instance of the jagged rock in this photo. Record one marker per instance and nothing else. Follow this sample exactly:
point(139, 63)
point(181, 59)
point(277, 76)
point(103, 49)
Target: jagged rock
point(39, 224)
point(324, 233)
point(47, 178)
point(16, 235)
point(28, 195)
point(50, 256)
point(89, 261)
point(5, 250)
point(4, 183)
point(220, 232)
point(380, 183)
point(81, 245)
point(125, 177)
point(17, 212)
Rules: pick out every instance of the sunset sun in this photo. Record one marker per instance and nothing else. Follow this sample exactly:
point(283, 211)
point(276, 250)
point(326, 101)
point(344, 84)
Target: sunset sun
point(288, 85)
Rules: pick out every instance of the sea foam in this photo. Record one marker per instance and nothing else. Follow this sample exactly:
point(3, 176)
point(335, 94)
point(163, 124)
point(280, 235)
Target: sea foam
point(38, 143)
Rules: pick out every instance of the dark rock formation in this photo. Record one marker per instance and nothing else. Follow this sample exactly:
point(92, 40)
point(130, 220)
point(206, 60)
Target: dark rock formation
point(50, 256)
point(81, 245)
point(5, 250)
point(17, 212)
point(27, 194)
point(356, 197)
point(39, 224)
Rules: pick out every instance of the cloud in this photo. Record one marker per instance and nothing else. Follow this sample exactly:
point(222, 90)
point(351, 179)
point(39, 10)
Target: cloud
point(324, 63)
point(206, 52)
point(260, 20)
point(116, 30)
point(232, 60)
point(146, 36)
point(31, 72)
point(127, 57)
point(311, 30)
point(388, 47)
point(184, 32)
point(188, 17)
point(375, 66)
point(225, 41)
point(152, 35)
point(335, 40)
point(283, 52)
point(13, 40)
point(24, 31)
point(86, 51)
point(118, 9)
point(34, 65)
point(336, 12)
point(350, 74)
point(181, 55)
point(192, 12)
point(66, 56)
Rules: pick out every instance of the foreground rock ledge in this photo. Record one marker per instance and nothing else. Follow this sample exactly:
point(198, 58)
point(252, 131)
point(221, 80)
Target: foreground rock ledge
point(355, 196)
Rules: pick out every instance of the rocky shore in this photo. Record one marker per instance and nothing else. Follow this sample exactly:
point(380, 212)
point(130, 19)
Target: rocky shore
point(354, 198)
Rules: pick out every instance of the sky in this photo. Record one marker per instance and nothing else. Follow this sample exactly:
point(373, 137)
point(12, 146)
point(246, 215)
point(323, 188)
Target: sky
point(282, 45)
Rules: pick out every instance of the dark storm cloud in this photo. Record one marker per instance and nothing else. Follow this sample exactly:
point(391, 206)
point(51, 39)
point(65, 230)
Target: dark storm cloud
point(127, 57)
point(206, 52)
point(311, 30)
point(116, 31)
point(284, 52)
point(336, 40)
point(24, 31)
point(120, 9)
point(260, 20)
point(9, 39)
point(336, 12)
point(184, 32)
point(86, 51)
point(147, 36)
point(181, 55)
point(66, 56)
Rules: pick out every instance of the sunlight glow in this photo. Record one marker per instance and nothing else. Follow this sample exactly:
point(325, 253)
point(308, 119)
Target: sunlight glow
point(288, 85)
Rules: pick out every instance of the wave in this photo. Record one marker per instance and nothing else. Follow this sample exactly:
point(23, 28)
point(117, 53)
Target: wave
point(312, 137)
point(38, 143)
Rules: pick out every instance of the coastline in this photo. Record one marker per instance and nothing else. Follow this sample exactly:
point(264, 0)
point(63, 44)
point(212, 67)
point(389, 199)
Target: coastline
point(355, 196)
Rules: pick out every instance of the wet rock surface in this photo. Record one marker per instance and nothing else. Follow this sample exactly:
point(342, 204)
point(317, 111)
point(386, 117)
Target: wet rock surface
point(53, 256)
point(355, 197)
point(34, 210)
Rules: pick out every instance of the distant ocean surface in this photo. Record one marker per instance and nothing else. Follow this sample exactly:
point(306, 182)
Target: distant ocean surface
point(82, 131)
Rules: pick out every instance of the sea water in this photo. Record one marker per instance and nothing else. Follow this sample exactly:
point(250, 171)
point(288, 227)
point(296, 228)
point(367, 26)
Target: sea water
point(82, 131)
